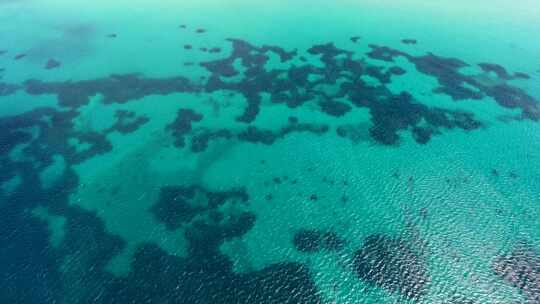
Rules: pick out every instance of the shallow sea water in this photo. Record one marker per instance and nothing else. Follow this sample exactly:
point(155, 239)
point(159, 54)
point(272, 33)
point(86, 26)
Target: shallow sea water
point(269, 152)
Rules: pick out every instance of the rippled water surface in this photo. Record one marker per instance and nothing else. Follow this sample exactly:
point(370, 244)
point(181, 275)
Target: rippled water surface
point(269, 151)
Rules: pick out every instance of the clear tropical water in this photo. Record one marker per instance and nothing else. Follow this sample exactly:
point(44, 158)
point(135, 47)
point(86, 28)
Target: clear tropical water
point(269, 152)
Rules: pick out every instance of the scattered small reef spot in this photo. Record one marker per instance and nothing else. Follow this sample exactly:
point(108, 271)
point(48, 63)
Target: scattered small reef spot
point(52, 64)
point(409, 41)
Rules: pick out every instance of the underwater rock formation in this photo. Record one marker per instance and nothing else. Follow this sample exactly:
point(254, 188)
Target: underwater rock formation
point(521, 269)
point(178, 205)
point(182, 125)
point(296, 85)
point(392, 264)
point(310, 241)
point(127, 122)
point(409, 41)
point(52, 64)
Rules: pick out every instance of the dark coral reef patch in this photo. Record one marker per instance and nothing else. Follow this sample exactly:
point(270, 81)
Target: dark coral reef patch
point(182, 125)
point(299, 84)
point(7, 89)
point(310, 241)
point(127, 122)
point(392, 264)
point(114, 89)
point(460, 86)
point(335, 108)
point(202, 136)
point(268, 137)
point(206, 275)
point(521, 269)
point(208, 278)
point(178, 205)
point(409, 41)
point(52, 64)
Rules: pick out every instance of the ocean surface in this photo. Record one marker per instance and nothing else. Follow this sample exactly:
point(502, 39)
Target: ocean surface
point(209, 151)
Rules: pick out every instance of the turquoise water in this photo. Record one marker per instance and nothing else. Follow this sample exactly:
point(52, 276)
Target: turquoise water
point(269, 152)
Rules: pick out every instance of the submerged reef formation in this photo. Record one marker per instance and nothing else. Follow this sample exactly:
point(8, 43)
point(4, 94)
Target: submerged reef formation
point(409, 41)
point(460, 86)
point(200, 137)
point(521, 269)
point(114, 89)
point(337, 88)
point(392, 264)
point(52, 64)
point(178, 205)
point(304, 83)
point(7, 89)
point(182, 125)
point(459, 299)
point(127, 122)
point(204, 276)
point(310, 241)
